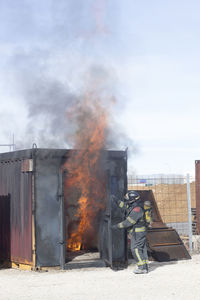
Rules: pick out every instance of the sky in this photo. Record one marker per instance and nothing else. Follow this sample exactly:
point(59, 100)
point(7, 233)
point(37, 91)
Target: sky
point(150, 51)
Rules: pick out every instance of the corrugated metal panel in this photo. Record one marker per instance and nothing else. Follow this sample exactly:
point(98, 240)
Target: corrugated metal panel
point(19, 185)
point(5, 227)
point(197, 179)
point(16, 178)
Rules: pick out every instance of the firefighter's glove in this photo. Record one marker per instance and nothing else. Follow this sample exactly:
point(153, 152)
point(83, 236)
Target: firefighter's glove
point(114, 199)
point(115, 226)
point(150, 226)
point(117, 201)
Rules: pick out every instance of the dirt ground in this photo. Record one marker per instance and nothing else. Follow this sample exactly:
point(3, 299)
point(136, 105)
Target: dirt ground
point(174, 280)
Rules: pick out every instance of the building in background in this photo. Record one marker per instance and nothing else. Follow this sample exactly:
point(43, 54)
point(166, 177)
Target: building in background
point(152, 179)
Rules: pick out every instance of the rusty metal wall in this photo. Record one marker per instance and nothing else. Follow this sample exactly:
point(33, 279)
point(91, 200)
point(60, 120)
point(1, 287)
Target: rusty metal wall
point(5, 227)
point(197, 180)
point(16, 178)
point(18, 184)
point(17, 175)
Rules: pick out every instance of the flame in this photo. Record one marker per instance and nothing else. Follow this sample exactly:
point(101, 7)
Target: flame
point(85, 171)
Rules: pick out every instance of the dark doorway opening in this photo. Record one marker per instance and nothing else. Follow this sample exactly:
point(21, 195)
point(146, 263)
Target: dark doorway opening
point(82, 224)
point(88, 211)
point(4, 229)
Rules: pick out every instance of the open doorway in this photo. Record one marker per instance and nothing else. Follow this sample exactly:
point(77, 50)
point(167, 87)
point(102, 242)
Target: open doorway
point(84, 208)
point(4, 230)
point(88, 210)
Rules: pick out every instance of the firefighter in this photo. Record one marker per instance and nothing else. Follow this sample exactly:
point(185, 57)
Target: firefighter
point(135, 222)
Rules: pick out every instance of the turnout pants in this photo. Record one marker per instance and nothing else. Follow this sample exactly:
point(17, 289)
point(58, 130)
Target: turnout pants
point(139, 247)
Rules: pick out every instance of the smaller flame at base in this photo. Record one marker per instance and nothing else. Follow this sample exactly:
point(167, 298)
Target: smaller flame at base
point(75, 242)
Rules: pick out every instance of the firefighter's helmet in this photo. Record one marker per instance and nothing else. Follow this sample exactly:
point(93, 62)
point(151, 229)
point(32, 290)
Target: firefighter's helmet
point(132, 196)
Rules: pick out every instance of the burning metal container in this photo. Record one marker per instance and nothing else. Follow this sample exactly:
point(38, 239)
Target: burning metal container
point(54, 203)
point(38, 205)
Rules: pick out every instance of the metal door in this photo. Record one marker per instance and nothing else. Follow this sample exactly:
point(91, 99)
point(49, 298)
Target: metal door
point(62, 220)
point(113, 242)
point(5, 227)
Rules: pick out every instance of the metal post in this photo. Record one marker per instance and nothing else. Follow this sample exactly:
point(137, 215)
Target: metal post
point(62, 222)
point(13, 142)
point(189, 213)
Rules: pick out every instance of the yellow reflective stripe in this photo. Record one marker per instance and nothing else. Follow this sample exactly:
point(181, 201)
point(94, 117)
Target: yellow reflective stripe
point(140, 229)
point(131, 220)
point(138, 256)
point(121, 225)
point(141, 263)
point(147, 207)
point(121, 204)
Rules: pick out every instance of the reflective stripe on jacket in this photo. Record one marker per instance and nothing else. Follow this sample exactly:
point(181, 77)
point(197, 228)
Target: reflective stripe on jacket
point(134, 218)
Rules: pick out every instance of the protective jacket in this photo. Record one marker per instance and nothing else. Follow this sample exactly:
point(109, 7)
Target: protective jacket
point(136, 226)
point(134, 217)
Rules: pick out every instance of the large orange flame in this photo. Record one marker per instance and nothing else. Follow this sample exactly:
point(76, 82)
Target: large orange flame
point(86, 172)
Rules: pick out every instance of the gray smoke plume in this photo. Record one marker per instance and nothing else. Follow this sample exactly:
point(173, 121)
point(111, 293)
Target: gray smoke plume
point(56, 114)
point(47, 102)
point(64, 43)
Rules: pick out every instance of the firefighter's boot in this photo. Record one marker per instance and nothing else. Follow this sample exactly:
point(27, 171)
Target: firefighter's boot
point(140, 271)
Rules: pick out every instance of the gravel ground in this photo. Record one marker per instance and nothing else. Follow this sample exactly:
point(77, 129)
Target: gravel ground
point(174, 280)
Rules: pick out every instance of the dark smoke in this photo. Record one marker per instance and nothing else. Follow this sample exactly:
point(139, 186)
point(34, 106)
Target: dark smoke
point(55, 113)
point(47, 102)
point(59, 32)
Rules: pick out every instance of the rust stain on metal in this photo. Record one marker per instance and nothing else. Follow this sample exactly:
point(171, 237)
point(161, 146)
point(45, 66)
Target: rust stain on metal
point(165, 244)
point(19, 185)
point(27, 165)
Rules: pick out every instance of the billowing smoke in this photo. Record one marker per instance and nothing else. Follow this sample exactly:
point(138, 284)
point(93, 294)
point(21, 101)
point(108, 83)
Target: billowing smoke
point(47, 103)
point(56, 111)
point(60, 61)
point(70, 92)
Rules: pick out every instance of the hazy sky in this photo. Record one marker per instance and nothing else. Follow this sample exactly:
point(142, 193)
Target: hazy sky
point(150, 49)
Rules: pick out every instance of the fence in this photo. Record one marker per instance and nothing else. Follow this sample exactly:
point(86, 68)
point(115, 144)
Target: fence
point(171, 194)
